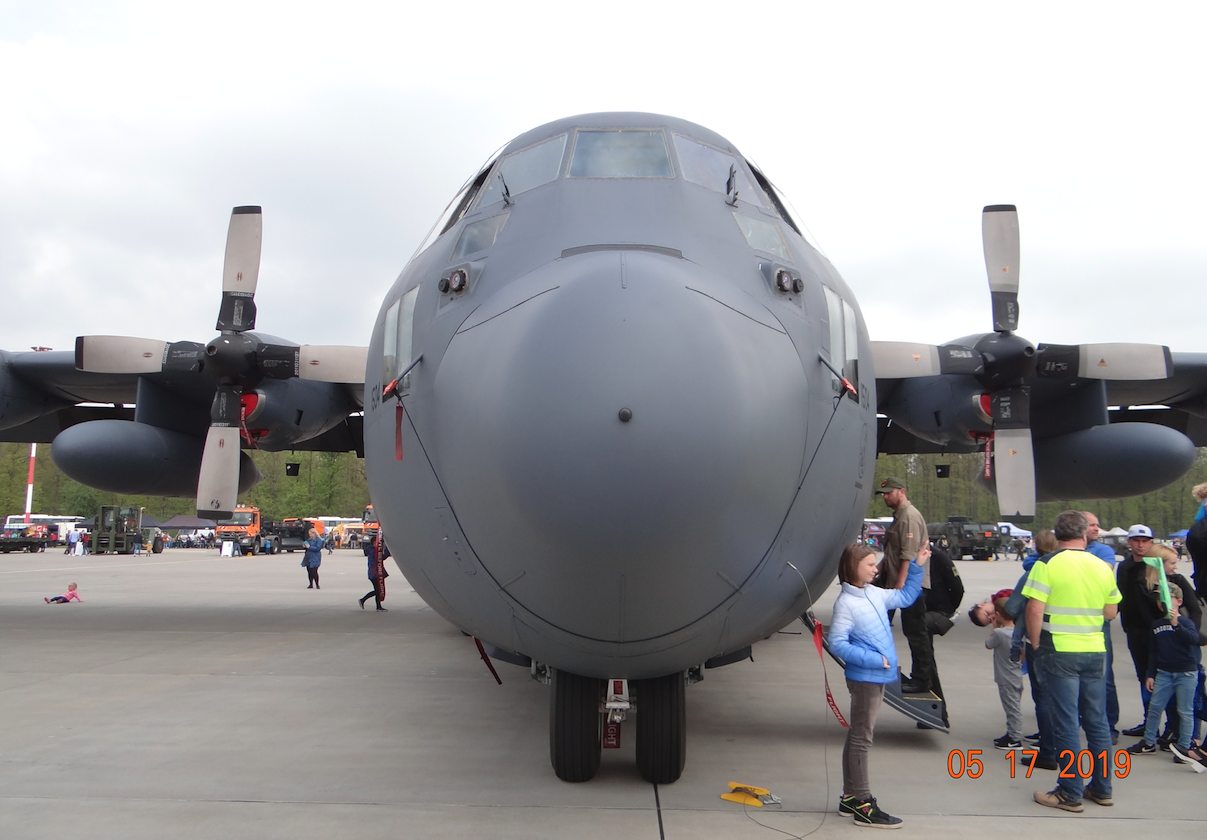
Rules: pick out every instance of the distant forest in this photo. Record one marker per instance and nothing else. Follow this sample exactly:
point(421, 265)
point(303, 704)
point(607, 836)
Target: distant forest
point(328, 484)
point(333, 484)
point(1165, 511)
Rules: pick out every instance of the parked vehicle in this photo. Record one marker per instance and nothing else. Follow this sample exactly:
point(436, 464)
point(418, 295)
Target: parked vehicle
point(961, 537)
point(252, 535)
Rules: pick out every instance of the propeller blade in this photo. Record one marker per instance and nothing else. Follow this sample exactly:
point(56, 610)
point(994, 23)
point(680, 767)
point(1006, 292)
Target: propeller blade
point(905, 360)
point(1013, 454)
point(218, 483)
point(119, 354)
point(278, 361)
point(1105, 361)
point(241, 270)
point(316, 362)
point(333, 363)
point(1014, 472)
point(999, 232)
point(184, 355)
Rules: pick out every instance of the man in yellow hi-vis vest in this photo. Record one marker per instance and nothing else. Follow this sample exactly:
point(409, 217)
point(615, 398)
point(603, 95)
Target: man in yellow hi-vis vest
point(1070, 593)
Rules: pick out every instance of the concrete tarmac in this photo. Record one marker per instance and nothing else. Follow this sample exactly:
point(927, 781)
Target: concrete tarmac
point(195, 696)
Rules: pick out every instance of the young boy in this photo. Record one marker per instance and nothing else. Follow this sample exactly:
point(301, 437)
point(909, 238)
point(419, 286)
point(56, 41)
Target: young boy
point(1008, 675)
point(1172, 669)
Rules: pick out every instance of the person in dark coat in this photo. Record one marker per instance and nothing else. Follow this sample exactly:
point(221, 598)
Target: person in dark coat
point(313, 558)
point(376, 594)
point(1137, 611)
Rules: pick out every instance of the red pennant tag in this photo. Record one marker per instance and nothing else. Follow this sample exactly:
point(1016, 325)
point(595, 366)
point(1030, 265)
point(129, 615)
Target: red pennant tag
point(381, 566)
point(398, 431)
point(817, 642)
point(486, 659)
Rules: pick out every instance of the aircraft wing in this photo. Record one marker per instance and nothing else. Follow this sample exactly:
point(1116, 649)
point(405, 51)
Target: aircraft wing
point(1177, 402)
point(54, 373)
point(1186, 388)
point(43, 394)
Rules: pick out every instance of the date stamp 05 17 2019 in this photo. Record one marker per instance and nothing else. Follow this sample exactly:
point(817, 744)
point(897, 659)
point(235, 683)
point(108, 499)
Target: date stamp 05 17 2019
point(961, 763)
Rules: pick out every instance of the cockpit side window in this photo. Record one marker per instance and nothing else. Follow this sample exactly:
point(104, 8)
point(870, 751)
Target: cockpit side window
point(763, 236)
point(777, 201)
point(457, 207)
point(620, 153)
point(844, 339)
point(478, 236)
point(525, 170)
point(711, 168)
point(397, 350)
point(466, 198)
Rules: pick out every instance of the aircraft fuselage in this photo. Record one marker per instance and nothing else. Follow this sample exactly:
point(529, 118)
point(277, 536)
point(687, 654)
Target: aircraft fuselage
point(621, 432)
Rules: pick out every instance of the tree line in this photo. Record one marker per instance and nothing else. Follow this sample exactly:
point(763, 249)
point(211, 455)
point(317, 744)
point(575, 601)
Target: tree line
point(327, 484)
point(1166, 510)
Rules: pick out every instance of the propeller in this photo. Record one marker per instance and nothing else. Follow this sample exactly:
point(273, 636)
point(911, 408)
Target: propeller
point(1003, 363)
point(235, 359)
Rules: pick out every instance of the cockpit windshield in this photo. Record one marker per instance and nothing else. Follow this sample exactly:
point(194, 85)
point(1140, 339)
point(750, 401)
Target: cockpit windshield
point(712, 168)
point(620, 153)
point(524, 170)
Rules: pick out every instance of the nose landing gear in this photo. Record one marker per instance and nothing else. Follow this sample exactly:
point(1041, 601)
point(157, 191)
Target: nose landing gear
point(661, 728)
point(576, 720)
point(574, 726)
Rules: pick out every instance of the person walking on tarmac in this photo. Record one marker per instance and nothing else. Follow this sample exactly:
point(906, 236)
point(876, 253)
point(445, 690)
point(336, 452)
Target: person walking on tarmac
point(377, 571)
point(313, 558)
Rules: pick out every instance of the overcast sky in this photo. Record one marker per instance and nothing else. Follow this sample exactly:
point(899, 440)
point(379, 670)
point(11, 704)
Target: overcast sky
point(129, 130)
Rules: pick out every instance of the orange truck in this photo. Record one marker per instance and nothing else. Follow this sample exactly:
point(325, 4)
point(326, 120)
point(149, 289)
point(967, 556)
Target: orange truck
point(252, 535)
point(370, 523)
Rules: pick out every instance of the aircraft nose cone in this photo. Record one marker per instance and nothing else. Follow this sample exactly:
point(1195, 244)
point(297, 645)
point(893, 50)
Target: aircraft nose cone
point(620, 435)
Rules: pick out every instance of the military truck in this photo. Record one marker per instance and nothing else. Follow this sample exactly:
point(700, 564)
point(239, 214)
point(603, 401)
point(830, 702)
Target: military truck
point(115, 528)
point(960, 537)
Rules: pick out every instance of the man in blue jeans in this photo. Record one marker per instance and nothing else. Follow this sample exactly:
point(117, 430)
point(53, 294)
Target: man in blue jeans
point(1070, 594)
point(1107, 555)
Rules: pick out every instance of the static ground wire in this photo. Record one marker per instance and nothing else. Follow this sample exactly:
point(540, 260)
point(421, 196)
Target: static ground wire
point(838, 398)
point(825, 753)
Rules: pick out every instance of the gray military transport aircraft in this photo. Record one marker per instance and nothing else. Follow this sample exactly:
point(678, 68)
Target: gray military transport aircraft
point(620, 414)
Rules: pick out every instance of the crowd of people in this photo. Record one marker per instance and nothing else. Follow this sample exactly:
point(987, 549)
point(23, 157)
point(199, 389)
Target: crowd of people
point(1053, 626)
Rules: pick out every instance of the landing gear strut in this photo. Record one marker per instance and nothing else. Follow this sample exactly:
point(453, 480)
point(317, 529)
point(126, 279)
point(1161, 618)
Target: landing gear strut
point(661, 728)
point(574, 726)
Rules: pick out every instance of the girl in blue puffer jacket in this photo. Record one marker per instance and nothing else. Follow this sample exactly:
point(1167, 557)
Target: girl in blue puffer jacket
point(860, 635)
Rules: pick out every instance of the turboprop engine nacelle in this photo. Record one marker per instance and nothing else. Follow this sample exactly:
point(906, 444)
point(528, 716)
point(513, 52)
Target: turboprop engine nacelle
point(118, 456)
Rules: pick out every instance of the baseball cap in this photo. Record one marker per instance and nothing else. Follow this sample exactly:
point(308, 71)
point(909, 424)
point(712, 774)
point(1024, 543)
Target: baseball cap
point(1139, 531)
point(890, 484)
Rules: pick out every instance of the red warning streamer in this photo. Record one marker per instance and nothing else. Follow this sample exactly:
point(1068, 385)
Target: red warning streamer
point(398, 411)
point(381, 566)
point(817, 642)
point(486, 659)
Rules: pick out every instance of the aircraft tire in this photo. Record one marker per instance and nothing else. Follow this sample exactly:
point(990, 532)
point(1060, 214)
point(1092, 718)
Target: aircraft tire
point(661, 728)
point(574, 738)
